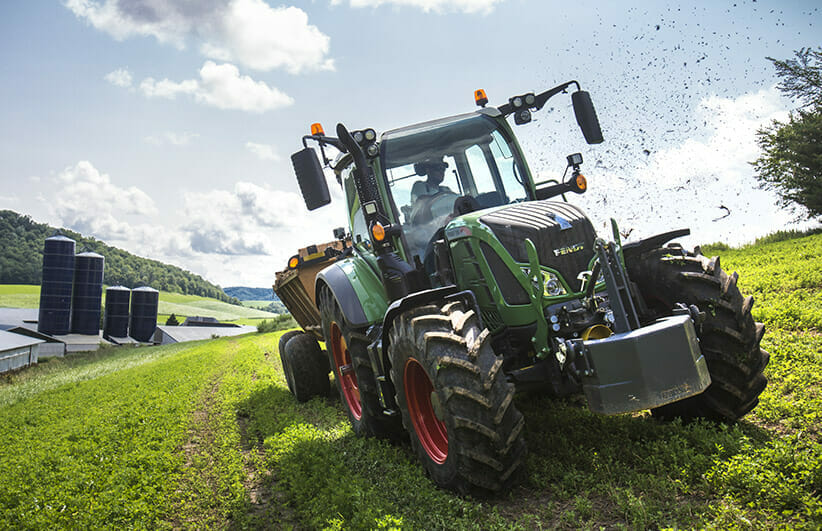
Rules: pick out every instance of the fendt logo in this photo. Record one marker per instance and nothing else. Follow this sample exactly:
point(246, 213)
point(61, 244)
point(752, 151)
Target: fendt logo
point(562, 251)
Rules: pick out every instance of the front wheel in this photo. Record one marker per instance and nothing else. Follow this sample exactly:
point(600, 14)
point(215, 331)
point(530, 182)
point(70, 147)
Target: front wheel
point(729, 337)
point(456, 404)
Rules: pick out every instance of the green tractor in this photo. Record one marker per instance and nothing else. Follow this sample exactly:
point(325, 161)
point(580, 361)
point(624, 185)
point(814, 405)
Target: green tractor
point(460, 281)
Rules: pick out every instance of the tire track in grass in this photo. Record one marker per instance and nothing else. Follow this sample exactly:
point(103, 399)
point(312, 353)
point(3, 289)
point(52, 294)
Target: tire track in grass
point(199, 484)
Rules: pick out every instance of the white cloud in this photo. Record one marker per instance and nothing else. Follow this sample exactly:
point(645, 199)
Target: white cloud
point(172, 138)
point(263, 151)
point(249, 32)
point(223, 87)
point(437, 6)
point(264, 38)
point(167, 88)
point(89, 202)
point(120, 78)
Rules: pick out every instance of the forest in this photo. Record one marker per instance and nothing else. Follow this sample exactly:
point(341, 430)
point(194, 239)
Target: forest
point(21, 260)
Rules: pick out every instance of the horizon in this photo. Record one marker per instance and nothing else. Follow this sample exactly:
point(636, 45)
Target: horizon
point(165, 131)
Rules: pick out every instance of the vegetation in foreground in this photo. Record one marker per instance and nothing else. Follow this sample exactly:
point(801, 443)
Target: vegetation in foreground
point(207, 435)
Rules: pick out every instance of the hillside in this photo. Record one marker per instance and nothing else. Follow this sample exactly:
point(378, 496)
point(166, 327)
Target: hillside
point(207, 435)
point(251, 294)
point(182, 306)
point(21, 260)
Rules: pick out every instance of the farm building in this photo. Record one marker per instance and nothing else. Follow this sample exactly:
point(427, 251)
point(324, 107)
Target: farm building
point(178, 334)
point(23, 321)
point(17, 351)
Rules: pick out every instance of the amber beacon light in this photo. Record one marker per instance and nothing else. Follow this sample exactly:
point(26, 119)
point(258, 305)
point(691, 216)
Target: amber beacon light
point(480, 98)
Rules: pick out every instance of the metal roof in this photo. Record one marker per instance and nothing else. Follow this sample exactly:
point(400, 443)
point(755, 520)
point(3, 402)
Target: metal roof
point(12, 341)
point(18, 316)
point(193, 333)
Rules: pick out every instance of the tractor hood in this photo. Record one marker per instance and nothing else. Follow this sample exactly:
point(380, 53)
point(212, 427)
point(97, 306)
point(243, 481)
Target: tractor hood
point(562, 234)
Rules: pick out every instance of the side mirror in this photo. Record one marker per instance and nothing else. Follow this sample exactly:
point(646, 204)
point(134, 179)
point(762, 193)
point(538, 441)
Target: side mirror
point(311, 178)
point(586, 117)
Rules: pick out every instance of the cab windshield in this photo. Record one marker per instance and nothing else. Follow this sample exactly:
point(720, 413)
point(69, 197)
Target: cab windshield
point(441, 169)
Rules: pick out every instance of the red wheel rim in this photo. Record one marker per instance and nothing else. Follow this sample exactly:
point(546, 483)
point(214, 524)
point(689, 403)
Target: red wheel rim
point(344, 371)
point(430, 430)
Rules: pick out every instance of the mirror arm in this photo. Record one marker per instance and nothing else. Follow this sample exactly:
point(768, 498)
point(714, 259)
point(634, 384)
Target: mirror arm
point(548, 94)
point(541, 98)
point(325, 140)
point(557, 189)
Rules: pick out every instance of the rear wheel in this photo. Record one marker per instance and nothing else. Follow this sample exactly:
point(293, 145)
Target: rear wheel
point(305, 368)
point(348, 357)
point(729, 337)
point(455, 402)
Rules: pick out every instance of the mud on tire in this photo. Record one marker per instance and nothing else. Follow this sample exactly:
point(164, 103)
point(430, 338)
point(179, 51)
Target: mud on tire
point(729, 337)
point(455, 400)
point(304, 368)
point(348, 359)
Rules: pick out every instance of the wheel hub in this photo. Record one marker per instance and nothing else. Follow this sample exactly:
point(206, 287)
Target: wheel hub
point(344, 371)
point(426, 411)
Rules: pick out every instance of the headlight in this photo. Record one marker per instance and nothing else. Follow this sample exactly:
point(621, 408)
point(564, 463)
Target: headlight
point(551, 285)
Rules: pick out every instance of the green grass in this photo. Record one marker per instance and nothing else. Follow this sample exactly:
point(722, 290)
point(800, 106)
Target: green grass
point(207, 435)
point(256, 304)
point(23, 296)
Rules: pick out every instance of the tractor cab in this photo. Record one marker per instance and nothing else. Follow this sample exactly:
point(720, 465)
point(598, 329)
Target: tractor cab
point(436, 171)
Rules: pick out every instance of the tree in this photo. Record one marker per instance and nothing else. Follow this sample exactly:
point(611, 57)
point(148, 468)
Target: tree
point(791, 160)
point(172, 320)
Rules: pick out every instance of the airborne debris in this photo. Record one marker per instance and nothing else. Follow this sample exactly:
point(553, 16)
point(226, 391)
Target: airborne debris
point(726, 209)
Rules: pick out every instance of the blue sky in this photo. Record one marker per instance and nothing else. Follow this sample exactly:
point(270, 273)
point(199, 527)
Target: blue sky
point(164, 126)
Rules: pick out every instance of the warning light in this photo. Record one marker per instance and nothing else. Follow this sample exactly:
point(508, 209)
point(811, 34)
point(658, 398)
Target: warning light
point(582, 183)
point(378, 231)
point(317, 129)
point(480, 98)
point(293, 262)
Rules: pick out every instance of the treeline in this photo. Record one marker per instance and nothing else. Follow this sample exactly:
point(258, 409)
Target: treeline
point(21, 261)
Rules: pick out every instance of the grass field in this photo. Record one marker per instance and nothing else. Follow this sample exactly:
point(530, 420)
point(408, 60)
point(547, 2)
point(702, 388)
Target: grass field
point(207, 435)
point(256, 304)
point(182, 306)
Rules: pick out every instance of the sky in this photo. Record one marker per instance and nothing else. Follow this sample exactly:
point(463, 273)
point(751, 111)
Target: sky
point(164, 127)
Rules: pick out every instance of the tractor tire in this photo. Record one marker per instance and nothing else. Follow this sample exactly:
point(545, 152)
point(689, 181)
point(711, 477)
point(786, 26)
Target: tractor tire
point(729, 337)
point(356, 383)
point(455, 401)
point(304, 368)
point(281, 348)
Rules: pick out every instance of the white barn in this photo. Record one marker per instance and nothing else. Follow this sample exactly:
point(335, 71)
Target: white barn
point(17, 351)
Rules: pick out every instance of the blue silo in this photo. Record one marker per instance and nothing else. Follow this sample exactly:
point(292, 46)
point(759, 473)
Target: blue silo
point(88, 293)
point(117, 304)
point(144, 305)
point(56, 287)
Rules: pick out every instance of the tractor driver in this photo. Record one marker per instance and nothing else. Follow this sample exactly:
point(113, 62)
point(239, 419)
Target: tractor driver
point(435, 169)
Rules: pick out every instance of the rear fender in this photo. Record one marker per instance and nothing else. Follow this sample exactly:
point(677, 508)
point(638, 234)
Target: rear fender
point(639, 247)
point(357, 289)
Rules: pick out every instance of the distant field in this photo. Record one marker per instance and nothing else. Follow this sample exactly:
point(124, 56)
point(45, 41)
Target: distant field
point(182, 306)
point(256, 304)
point(19, 296)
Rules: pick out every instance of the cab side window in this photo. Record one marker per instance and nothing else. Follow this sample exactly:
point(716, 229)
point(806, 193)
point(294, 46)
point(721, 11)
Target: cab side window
point(359, 232)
